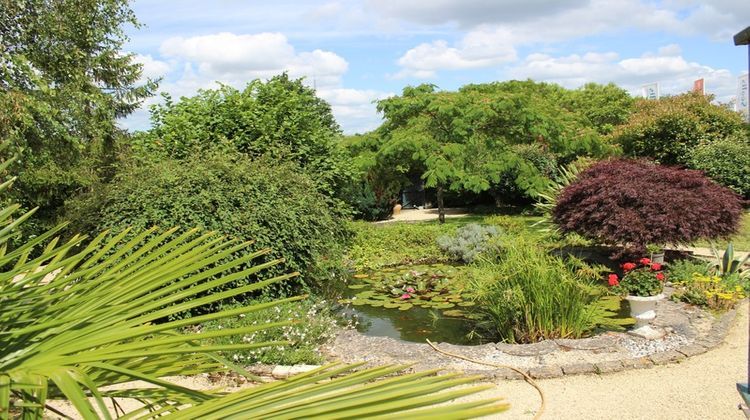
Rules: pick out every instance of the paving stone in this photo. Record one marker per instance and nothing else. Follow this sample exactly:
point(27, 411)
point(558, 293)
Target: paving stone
point(609, 366)
point(535, 349)
point(579, 369)
point(692, 350)
point(637, 363)
point(665, 357)
point(505, 373)
point(601, 344)
point(545, 372)
point(708, 343)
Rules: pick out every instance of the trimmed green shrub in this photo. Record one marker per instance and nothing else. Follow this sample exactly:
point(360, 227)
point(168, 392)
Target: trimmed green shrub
point(668, 129)
point(726, 161)
point(468, 242)
point(273, 205)
point(525, 295)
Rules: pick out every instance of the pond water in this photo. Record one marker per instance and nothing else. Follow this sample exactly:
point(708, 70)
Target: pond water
point(418, 302)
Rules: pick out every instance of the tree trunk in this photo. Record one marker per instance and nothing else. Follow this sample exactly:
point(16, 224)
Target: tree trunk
point(441, 208)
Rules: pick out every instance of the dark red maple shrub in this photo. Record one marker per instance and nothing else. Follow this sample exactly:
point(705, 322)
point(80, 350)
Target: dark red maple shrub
point(631, 203)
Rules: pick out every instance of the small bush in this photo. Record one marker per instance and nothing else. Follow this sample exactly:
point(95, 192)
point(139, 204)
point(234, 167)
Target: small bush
point(525, 295)
point(681, 271)
point(272, 205)
point(633, 203)
point(668, 129)
point(316, 327)
point(718, 293)
point(726, 161)
point(468, 241)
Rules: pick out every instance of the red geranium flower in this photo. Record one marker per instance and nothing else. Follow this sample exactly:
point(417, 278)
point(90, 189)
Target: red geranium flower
point(628, 266)
point(645, 261)
point(656, 266)
point(613, 280)
point(660, 276)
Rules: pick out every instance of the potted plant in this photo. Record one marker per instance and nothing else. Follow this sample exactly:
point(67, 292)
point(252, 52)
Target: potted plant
point(642, 284)
point(656, 253)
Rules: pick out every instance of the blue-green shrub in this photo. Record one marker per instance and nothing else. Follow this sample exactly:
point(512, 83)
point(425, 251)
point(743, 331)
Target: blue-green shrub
point(468, 242)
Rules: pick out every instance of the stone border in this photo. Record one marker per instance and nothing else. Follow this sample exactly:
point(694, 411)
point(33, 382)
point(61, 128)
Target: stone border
point(713, 338)
point(693, 332)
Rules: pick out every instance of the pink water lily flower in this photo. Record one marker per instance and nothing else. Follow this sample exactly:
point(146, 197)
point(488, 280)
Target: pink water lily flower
point(410, 289)
point(405, 296)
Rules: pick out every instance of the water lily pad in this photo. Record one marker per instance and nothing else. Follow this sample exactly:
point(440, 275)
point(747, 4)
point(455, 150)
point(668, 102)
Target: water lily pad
point(357, 286)
point(376, 304)
point(405, 307)
point(438, 299)
point(359, 302)
point(444, 305)
point(391, 305)
point(456, 313)
point(467, 303)
point(365, 295)
point(361, 276)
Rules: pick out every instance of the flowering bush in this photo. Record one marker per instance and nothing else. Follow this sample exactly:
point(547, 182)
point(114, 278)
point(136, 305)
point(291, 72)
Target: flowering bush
point(643, 278)
point(714, 292)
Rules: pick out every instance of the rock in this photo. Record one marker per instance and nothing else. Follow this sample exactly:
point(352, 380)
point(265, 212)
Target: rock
point(637, 363)
point(692, 350)
point(282, 372)
point(579, 369)
point(609, 366)
point(666, 357)
point(545, 372)
point(535, 349)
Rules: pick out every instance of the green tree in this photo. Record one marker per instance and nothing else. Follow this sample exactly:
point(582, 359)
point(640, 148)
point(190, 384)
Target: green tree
point(465, 140)
point(605, 106)
point(279, 118)
point(64, 81)
point(668, 129)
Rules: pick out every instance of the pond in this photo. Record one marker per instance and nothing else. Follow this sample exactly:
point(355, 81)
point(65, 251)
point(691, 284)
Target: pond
point(418, 302)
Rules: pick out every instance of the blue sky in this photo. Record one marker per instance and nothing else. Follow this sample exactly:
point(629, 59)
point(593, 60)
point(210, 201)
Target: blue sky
point(358, 51)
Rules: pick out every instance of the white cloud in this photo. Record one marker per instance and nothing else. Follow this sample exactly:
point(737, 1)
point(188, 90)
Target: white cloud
point(667, 66)
point(152, 68)
point(467, 13)
point(354, 107)
point(236, 59)
point(483, 48)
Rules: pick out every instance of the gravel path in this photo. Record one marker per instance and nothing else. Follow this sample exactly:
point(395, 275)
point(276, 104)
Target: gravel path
point(702, 387)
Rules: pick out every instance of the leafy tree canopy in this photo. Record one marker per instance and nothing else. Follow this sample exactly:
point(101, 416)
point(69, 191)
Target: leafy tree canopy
point(667, 129)
point(63, 83)
point(279, 118)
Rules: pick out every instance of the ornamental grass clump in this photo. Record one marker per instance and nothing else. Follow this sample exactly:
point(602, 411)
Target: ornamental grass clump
point(632, 203)
point(643, 278)
point(525, 295)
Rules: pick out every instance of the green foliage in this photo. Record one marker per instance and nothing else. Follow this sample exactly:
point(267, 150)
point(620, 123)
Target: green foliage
point(714, 292)
point(725, 265)
point(668, 129)
point(605, 106)
point(267, 203)
point(77, 320)
point(468, 242)
point(280, 118)
point(525, 295)
point(315, 324)
point(533, 155)
point(64, 81)
point(726, 161)
point(377, 246)
point(641, 281)
point(681, 271)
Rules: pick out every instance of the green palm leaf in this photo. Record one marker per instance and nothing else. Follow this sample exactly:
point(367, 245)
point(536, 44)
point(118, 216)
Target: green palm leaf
point(76, 318)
